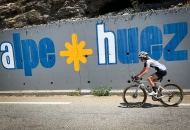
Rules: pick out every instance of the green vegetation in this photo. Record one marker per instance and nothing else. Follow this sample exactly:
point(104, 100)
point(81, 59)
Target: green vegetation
point(101, 91)
point(74, 94)
point(141, 94)
point(37, 95)
point(177, 93)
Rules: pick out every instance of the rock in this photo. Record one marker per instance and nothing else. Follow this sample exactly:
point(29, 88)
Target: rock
point(2, 17)
point(22, 13)
point(57, 1)
point(135, 3)
point(45, 16)
point(95, 5)
point(34, 17)
point(74, 11)
point(8, 9)
point(180, 4)
point(126, 14)
point(3, 1)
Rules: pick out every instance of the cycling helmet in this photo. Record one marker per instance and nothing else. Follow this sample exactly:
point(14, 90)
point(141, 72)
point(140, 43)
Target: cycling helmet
point(143, 54)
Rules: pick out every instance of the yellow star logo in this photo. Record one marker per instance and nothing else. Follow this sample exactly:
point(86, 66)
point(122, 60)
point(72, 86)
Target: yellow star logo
point(76, 52)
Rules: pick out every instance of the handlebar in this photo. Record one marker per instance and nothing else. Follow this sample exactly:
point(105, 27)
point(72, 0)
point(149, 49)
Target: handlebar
point(135, 80)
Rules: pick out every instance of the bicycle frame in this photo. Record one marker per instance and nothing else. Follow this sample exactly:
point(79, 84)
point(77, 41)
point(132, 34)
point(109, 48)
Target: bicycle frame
point(158, 84)
point(169, 94)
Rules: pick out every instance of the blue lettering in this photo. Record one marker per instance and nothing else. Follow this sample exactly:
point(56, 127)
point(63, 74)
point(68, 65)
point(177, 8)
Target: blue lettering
point(128, 50)
point(46, 46)
point(150, 40)
point(18, 52)
point(180, 30)
point(30, 56)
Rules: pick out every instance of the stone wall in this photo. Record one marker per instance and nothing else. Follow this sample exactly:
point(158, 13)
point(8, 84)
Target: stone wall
point(20, 13)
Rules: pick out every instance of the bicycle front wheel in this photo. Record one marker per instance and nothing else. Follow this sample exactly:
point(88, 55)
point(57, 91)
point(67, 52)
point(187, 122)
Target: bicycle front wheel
point(171, 94)
point(133, 96)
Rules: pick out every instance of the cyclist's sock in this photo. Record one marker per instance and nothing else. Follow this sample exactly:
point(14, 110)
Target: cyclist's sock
point(154, 89)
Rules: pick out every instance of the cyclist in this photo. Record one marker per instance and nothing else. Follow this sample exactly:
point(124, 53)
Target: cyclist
point(148, 62)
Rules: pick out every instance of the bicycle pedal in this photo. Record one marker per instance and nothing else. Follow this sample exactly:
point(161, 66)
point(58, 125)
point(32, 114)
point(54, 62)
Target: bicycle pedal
point(154, 99)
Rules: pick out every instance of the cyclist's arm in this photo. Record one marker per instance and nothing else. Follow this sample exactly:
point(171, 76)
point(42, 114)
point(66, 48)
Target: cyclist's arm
point(143, 72)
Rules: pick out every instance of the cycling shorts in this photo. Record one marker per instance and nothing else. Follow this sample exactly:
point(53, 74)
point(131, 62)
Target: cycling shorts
point(161, 74)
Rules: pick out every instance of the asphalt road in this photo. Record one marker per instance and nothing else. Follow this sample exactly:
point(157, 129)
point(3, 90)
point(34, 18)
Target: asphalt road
point(89, 113)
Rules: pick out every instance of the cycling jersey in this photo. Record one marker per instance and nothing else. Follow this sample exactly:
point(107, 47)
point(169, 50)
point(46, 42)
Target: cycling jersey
point(155, 64)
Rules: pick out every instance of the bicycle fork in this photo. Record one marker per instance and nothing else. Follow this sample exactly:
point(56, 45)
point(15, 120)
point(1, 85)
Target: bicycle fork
point(136, 92)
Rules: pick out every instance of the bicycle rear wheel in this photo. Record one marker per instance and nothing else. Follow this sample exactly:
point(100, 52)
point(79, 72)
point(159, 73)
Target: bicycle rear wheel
point(133, 98)
point(172, 94)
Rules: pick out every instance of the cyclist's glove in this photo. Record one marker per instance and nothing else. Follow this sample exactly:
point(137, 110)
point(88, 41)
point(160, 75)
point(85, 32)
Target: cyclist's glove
point(136, 78)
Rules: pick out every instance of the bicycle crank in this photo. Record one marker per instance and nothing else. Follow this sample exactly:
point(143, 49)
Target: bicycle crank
point(154, 98)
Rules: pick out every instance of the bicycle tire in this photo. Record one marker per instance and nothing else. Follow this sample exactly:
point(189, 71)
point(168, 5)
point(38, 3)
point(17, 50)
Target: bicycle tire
point(174, 94)
point(128, 96)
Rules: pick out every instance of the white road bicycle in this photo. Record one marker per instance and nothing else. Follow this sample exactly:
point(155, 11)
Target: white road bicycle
point(135, 95)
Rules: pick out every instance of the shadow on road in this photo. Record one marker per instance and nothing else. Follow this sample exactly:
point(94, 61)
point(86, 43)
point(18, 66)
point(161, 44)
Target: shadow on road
point(146, 105)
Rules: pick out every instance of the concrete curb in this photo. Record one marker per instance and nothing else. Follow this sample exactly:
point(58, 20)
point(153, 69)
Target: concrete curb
point(62, 92)
point(52, 92)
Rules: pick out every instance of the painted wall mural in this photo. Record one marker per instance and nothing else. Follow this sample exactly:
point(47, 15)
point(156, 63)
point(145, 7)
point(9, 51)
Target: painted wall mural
point(75, 52)
point(90, 53)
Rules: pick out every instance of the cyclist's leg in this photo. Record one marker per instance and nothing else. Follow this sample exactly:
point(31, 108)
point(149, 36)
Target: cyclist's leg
point(152, 78)
point(160, 75)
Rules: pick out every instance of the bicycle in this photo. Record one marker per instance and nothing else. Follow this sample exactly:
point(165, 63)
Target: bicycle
point(135, 95)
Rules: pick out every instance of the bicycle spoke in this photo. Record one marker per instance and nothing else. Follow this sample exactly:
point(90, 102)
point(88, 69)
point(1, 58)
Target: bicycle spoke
point(133, 98)
point(171, 95)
